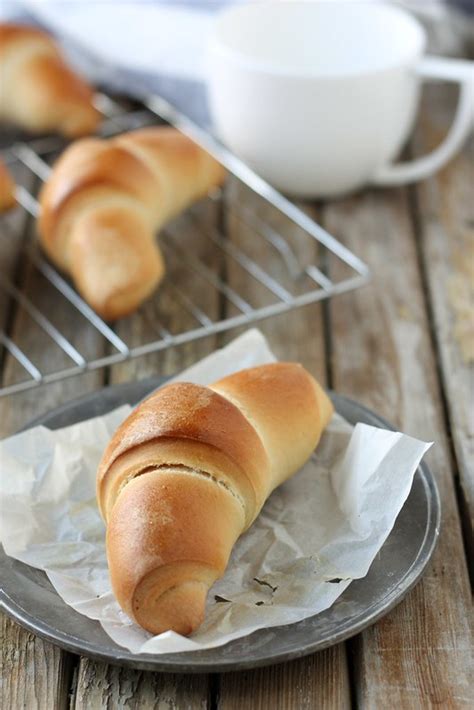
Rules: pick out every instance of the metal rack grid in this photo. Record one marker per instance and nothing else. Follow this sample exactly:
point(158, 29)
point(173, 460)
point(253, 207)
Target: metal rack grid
point(308, 282)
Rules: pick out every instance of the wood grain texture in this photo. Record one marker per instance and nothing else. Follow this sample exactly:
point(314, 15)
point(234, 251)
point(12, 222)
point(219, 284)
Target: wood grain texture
point(12, 237)
point(446, 231)
point(34, 674)
point(102, 686)
point(420, 655)
point(320, 680)
point(16, 410)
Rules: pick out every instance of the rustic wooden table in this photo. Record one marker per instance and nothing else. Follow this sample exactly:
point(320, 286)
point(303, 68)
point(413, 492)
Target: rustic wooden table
point(404, 346)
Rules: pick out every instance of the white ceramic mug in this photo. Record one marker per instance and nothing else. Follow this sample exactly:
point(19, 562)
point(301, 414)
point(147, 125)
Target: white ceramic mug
point(319, 97)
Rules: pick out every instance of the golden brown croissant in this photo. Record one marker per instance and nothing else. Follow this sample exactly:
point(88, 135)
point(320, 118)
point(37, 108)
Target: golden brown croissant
point(7, 189)
point(104, 202)
point(188, 472)
point(39, 92)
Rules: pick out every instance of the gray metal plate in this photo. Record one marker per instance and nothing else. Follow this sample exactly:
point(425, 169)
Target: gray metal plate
point(29, 598)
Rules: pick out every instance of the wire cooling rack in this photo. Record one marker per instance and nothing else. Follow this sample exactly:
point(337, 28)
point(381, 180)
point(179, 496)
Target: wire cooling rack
point(280, 259)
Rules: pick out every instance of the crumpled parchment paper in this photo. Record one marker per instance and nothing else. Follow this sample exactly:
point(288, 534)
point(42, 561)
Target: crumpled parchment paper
point(316, 533)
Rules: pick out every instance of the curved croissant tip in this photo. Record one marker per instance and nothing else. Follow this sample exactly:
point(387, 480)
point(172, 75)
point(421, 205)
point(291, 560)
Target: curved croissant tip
point(180, 609)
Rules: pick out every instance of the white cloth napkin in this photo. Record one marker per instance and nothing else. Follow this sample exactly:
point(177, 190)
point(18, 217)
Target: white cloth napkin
point(156, 38)
point(160, 44)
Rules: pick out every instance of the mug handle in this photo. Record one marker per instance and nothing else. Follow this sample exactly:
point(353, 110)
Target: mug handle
point(459, 71)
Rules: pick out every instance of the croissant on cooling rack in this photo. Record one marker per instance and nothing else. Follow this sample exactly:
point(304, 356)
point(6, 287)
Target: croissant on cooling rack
point(103, 203)
point(188, 472)
point(7, 189)
point(38, 91)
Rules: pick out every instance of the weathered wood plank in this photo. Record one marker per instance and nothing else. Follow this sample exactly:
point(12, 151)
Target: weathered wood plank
point(446, 230)
point(12, 236)
point(418, 656)
point(320, 680)
point(103, 686)
point(17, 409)
point(35, 675)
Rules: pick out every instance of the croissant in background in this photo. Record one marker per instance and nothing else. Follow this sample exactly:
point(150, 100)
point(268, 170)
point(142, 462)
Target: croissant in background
point(7, 189)
point(188, 472)
point(38, 91)
point(105, 200)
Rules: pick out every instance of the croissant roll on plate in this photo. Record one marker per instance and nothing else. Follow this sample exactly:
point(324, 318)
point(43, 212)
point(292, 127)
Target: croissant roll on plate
point(104, 202)
point(39, 92)
point(7, 189)
point(188, 472)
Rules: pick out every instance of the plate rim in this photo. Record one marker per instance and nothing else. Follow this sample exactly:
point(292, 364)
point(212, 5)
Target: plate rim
point(155, 662)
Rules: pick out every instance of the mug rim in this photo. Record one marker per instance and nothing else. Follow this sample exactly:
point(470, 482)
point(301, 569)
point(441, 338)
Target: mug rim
point(256, 65)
